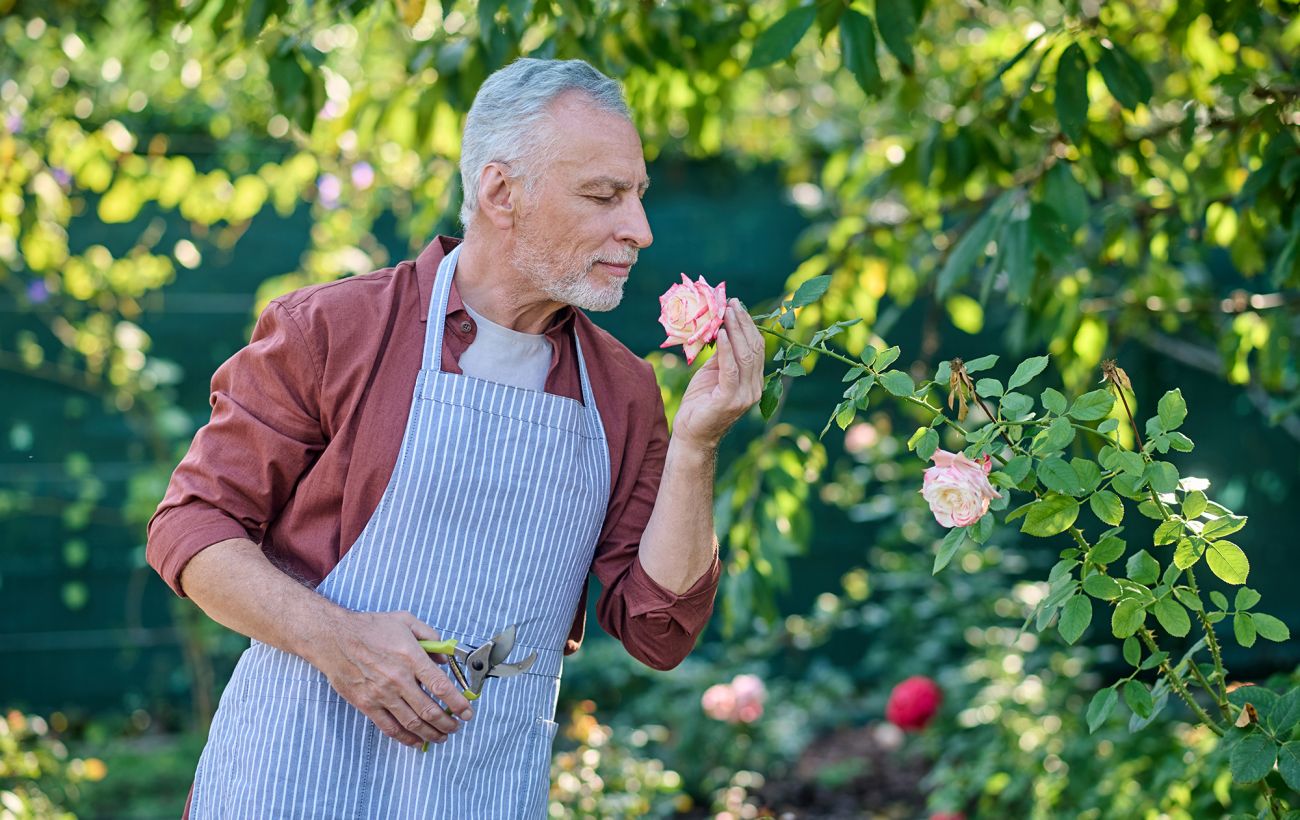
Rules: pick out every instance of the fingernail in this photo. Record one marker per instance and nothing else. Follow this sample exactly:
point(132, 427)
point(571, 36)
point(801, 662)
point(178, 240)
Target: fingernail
point(467, 714)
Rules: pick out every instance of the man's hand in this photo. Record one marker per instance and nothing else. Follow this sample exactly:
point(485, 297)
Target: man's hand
point(376, 664)
point(726, 386)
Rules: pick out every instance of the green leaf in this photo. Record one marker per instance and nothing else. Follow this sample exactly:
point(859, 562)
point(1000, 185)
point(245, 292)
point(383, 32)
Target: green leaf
point(845, 415)
point(1017, 468)
point(1189, 599)
point(1162, 476)
point(1124, 76)
point(1102, 704)
point(1245, 598)
point(1107, 507)
point(1128, 617)
point(781, 37)
point(1064, 195)
point(1285, 713)
point(897, 382)
point(1050, 515)
point(896, 20)
point(1142, 568)
point(1016, 405)
point(1227, 561)
point(1101, 586)
point(1057, 475)
point(1107, 550)
point(954, 539)
point(1172, 409)
point(1093, 405)
point(771, 395)
point(1243, 626)
point(1075, 618)
point(1223, 525)
point(1138, 698)
point(982, 363)
point(1132, 651)
point(1273, 629)
point(1055, 437)
point(811, 291)
point(1168, 532)
point(1252, 758)
point(1054, 401)
point(1194, 505)
point(969, 248)
point(1072, 92)
point(858, 42)
point(885, 358)
point(988, 387)
point(1172, 617)
point(928, 444)
point(1088, 472)
point(1027, 370)
point(1288, 765)
point(1219, 599)
point(1188, 552)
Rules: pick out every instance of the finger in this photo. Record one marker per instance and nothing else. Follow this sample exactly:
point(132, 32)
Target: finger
point(424, 632)
point(750, 329)
point(420, 715)
point(728, 370)
point(390, 726)
point(444, 689)
point(749, 363)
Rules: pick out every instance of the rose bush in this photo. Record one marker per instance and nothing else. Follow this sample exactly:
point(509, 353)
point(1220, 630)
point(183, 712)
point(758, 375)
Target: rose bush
point(691, 314)
point(1062, 453)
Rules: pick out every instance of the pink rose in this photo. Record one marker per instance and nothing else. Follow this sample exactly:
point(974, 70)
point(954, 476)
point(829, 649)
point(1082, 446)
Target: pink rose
point(719, 702)
point(958, 489)
point(913, 703)
point(750, 695)
point(740, 701)
point(691, 314)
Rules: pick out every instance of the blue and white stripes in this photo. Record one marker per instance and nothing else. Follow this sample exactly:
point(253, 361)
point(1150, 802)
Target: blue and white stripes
point(490, 518)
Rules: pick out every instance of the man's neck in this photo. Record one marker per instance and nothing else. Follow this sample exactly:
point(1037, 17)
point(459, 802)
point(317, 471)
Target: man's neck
point(487, 282)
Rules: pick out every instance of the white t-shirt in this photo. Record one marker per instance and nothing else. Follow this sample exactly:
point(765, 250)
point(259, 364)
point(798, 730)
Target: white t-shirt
point(499, 354)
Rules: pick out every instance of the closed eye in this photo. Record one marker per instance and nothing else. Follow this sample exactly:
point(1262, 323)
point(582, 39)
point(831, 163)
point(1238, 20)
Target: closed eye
point(605, 199)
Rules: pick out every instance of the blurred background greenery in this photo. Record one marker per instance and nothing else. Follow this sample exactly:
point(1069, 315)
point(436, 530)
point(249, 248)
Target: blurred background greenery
point(1080, 178)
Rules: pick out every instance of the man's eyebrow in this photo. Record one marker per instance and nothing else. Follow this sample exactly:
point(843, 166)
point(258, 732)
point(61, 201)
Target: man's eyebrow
point(614, 183)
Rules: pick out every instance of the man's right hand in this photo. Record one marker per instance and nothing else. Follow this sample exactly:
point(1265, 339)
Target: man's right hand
point(373, 660)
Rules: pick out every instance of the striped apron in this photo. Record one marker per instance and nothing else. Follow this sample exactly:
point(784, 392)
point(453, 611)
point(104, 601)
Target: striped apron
point(490, 518)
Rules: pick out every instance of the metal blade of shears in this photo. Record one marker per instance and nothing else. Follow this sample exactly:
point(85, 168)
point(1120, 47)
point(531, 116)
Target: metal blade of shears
point(502, 643)
point(509, 670)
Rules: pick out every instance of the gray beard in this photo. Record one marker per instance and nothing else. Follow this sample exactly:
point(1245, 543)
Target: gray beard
point(572, 288)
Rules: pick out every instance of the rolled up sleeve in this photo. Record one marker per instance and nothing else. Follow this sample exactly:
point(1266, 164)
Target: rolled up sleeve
point(243, 465)
point(655, 625)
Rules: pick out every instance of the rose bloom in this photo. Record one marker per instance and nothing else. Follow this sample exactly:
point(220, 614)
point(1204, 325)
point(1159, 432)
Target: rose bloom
point(719, 702)
point(750, 694)
point(958, 489)
point(691, 313)
point(913, 703)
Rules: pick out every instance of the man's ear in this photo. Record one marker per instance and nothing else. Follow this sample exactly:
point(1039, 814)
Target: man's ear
point(498, 196)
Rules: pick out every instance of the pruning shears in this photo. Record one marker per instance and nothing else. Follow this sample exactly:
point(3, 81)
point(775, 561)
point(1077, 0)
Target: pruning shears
point(472, 667)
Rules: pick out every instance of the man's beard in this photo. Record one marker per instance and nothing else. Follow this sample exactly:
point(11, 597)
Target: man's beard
point(566, 276)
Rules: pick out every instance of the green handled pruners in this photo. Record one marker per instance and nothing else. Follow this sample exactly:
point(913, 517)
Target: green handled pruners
point(472, 667)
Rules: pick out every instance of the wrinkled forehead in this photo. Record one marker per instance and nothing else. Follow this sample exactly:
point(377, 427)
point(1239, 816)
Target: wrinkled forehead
point(593, 146)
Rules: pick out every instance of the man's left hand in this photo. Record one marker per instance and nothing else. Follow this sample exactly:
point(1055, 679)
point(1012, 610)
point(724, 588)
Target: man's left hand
point(726, 386)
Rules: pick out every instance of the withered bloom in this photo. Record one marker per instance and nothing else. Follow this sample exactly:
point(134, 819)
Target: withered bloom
point(960, 388)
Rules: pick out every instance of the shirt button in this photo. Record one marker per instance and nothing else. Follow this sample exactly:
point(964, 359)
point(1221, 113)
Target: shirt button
point(466, 326)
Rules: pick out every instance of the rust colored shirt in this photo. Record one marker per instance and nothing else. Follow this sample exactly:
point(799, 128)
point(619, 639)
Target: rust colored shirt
point(308, 418)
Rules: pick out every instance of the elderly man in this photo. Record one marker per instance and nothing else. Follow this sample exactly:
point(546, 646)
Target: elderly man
point(440, 450)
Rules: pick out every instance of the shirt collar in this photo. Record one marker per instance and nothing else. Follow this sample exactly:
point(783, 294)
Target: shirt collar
point(426, 270)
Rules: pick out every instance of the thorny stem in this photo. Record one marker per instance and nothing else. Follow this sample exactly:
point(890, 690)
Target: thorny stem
point(1176, 682)
point(1124, 400)
point(1212, 639)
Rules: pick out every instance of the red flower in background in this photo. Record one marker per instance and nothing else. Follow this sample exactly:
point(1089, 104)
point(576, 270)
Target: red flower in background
point(913, 703)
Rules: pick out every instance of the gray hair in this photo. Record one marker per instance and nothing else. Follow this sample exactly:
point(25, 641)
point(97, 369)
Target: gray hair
point(508, 120)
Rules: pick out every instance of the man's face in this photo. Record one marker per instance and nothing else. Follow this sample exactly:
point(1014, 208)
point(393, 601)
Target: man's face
point(579, 232)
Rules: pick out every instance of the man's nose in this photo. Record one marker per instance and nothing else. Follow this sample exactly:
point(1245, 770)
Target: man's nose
point(634, 228)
